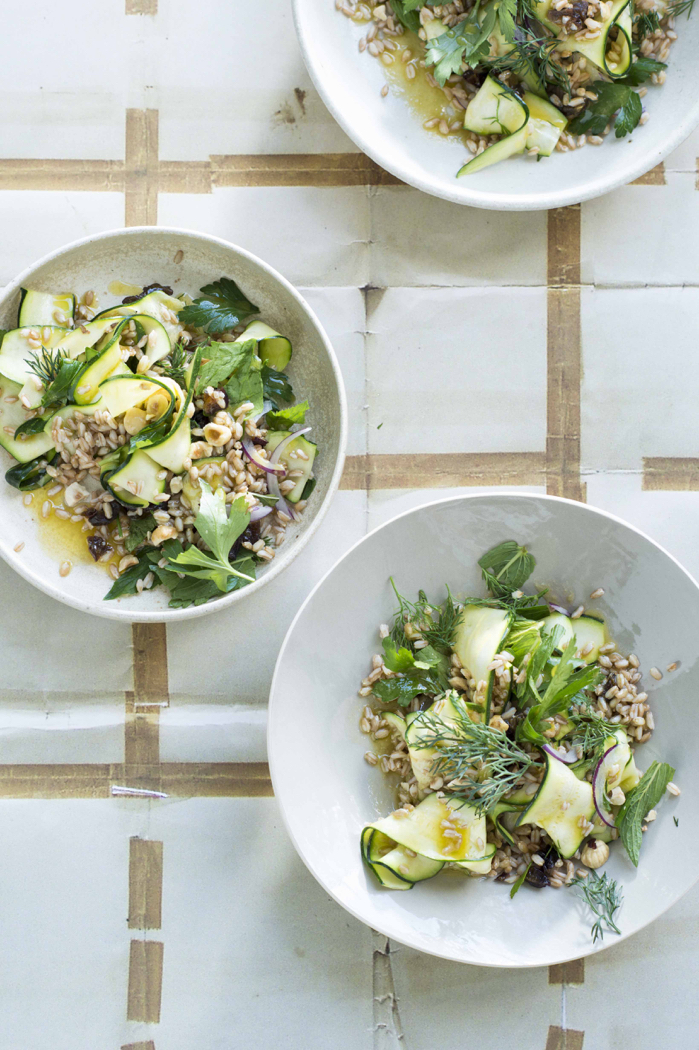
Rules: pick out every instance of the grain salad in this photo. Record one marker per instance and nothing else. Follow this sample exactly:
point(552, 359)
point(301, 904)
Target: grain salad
point(164, 427)
point(526, 77)
point(510, 727)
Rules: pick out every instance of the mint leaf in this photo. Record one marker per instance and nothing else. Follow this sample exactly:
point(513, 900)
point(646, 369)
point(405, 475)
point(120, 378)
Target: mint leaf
point(32, 426)
point(287, 417)
point(246, 385)
point(516, 886)
point(221, 307)
point(506, 568)
point(138, 530)
point(276, 386)
point(639, 802)
point(219, 361)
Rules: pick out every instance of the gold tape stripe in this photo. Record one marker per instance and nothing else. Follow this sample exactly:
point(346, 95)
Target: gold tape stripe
point(654, 177)
point(150, 1045)
point(443, 470)
point(141, 168)
point(179, 779)
point(564, 1039)
point(670, 474)
point(141, 7)
point(145, 884)
point(150, 678)
point(568, 973)
point(173, 176)
point(145, 981)
point(563, 339)
point(94, 175)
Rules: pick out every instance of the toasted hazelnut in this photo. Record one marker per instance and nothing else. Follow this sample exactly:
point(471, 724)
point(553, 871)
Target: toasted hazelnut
point(200, 450)
point(157, 405)
point(134, 420)
point(75, 494)
point(617, 797)
point(217, 435)
point(595, 853)
point(127, 561)
point(496, 722)
point(162, 533)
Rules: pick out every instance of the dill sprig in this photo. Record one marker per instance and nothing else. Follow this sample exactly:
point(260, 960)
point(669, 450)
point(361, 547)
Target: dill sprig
point(174, 366)
point(533, 56)
point(591, 733)
point(681, 7)
point(436, 624)
point(484, 761)
point(603, 897)
point(45, 365)
point(646, 24)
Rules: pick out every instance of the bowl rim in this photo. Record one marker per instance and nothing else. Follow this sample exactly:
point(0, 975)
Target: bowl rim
point(624, 173)
point(275, 700)
point(108, 610)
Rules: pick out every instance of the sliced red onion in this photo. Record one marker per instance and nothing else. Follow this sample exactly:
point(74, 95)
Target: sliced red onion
point(568, 758)
point(599, 785)
point(259, 512)
point(272, 481)
point(558, 609)
point(250, 450)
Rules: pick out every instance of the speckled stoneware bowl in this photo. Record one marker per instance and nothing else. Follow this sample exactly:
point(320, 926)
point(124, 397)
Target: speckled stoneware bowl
point(392, 134)
point(327, 792)
point(140, 256)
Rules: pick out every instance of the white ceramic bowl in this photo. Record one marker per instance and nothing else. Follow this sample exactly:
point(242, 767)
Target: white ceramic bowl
point(140, 256)
point(391, 134)
point(327, 792)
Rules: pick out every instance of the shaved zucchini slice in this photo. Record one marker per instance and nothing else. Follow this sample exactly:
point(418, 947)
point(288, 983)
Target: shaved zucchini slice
point(119, 393)
point(479, 637)
point(585, 629)
point(597, 50)
point(15, 351)
point(39, 308)
point(506, 147)
point(393, 866)
point(421, 831)
point(157, 304)
point(542, 109)
point(13, 415)
point(273, 349)
point(495, 110)
point(559, 807)
point(174, 449)
point(191, 490)
point(108, 358)
point(136, 482)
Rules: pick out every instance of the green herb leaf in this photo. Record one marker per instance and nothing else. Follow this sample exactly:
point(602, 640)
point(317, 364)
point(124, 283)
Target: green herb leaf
point(307, 488)
point(32, 426)
point(507, 13)
point(287, 417)
point(617, 97)
point(174, 364)
point(676, 820)
point(276, 386)
point(245, 384)
point(506, 568)
point(126, 584)
point(45, 365)
point(639, 801)
point(465, 43)
point(220, 308)
point(220, 360)
point(404, 10)
point(193, 591)
point(681, 7)
point(219, 531)
point(520, 881)
point(266, 500)
point(603, 896)
point(533, 58)
point(61, 389)
point(138, 530)
point(646, 24)
point(397, 659)
point(642, 70)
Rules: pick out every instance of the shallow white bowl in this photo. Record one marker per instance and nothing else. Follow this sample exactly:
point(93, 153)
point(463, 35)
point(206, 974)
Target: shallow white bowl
point(392, 134)
point(140, 256)
point(327, 792)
